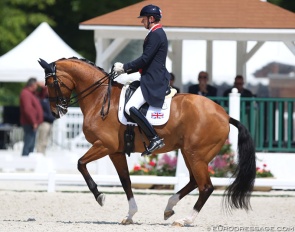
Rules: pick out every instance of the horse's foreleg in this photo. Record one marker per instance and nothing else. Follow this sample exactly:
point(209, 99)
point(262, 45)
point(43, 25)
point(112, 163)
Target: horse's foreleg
point(174, 199)
point(94, 153)
point(200, 171)
point(120, 163)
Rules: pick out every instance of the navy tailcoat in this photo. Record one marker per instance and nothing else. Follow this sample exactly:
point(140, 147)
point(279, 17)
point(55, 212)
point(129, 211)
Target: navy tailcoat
point(151, 64)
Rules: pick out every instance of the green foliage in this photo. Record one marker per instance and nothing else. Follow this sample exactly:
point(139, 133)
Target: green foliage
point(19, 18)
point(9, 93)
point(286, 4)
point(77, 11)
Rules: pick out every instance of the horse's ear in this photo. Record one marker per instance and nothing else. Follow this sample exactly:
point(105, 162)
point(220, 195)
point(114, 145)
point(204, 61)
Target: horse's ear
point(44, 64)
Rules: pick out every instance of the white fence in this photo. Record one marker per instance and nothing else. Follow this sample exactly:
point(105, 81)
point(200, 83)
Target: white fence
point(62, 169)
point(68, 144)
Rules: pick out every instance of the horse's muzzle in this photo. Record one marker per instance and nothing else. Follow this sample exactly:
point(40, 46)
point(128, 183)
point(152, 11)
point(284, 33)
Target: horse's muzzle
point(56, 115)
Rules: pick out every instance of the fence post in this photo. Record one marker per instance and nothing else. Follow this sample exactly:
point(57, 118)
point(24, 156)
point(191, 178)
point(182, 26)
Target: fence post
point(181, 172)
point(51, 182)
point(181, 182)
point(234, 112)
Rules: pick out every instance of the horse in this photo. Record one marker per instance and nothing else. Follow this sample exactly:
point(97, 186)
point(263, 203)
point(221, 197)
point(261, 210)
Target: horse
point(197, 126)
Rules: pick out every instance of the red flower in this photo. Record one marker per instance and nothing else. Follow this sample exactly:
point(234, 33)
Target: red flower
point(152, 163)
point(210, 170)
point(137, 168)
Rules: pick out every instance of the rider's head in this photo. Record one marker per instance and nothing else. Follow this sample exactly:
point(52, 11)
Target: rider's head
point(151, 13)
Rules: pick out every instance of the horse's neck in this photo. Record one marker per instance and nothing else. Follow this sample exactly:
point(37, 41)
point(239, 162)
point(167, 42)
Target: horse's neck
point(98, 99)
point(92, 98)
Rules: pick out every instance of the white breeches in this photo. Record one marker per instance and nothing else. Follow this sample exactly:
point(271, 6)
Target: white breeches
point(136, 100)
point(43, 136)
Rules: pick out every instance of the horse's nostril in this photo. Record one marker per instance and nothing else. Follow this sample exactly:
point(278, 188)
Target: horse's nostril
point(55, 114)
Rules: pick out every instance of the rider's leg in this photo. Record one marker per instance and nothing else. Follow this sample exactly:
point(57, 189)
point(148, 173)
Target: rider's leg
point(132, 106)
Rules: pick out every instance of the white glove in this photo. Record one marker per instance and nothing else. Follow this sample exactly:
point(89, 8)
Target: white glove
point(118, 68)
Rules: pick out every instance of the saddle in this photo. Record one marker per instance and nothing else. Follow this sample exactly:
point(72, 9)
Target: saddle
point(156, 116)
point(130, 91)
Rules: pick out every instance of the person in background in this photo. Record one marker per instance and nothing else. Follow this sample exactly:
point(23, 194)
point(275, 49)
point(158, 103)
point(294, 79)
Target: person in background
point(45, 128)
point(172, 79)
point(31, 115)
point(203, 88)
point(239, 84)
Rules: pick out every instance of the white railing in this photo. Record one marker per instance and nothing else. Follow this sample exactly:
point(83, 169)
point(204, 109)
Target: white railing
point(69, 143)
point(45, 169)
point(52, 179)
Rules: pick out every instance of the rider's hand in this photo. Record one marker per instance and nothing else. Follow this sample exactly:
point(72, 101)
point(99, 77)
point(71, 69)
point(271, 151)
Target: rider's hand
point(118, 68)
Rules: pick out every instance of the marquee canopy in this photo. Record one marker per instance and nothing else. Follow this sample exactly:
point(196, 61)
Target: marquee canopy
point(20, 63)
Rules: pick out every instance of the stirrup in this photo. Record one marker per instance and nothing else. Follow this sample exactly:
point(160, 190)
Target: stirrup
point(154, 145)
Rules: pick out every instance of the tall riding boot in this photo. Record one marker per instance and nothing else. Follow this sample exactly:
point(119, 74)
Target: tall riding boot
point(155, 141)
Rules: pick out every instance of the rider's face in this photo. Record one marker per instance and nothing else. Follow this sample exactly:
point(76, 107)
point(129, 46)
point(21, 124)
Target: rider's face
point(145, 21)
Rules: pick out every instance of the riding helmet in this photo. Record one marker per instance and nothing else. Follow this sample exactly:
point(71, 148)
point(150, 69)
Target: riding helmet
point(151, 10)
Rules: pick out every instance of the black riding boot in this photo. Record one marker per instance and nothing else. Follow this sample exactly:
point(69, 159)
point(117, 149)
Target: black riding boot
point(155, 141)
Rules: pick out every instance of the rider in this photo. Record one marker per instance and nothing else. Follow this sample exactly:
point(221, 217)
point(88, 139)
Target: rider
point(155, 77)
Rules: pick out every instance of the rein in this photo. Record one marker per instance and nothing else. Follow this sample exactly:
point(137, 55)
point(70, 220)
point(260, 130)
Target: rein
point(63, 103)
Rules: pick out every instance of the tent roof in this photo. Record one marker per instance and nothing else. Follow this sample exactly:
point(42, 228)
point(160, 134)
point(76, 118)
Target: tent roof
point(20, 63)
point(253, 14)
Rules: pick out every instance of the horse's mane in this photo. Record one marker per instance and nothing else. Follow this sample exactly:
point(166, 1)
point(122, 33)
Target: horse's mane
point(86, 61)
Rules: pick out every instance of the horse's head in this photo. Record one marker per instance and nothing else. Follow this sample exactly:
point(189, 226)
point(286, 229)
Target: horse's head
point(59, 92)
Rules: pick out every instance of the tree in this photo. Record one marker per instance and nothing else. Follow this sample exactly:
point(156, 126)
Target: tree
point(19, 18)
point(286, 4)
point(77, 11)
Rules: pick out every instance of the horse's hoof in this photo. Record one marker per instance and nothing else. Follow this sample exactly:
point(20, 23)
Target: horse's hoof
point(168, 214)
point(127, 221)
point(178, 224)
point(100, 199)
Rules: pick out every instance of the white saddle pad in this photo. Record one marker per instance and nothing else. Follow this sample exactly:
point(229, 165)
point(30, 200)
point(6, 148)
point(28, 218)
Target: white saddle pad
point(156, 116)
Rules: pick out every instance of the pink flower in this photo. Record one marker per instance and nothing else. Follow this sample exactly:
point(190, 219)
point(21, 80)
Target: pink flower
point(219, 162)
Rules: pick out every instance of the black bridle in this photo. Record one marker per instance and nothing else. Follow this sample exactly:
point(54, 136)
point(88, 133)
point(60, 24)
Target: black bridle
point(62, 103)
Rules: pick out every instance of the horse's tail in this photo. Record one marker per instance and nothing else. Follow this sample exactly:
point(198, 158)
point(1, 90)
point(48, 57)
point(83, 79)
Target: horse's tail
point(237, 195)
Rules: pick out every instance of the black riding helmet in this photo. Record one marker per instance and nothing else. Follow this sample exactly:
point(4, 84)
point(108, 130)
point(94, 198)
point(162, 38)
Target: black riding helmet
point(151, 10)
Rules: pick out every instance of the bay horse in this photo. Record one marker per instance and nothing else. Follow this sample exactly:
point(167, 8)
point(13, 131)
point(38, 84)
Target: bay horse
point(197, 126)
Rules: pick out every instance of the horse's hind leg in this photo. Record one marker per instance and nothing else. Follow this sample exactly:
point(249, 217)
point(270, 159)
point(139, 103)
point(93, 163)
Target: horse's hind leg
point(200, 171)
point(120, 163)
point(174, 199)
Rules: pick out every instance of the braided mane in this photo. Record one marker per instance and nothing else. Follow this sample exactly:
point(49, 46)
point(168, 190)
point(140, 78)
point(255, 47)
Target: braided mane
point(86, 61)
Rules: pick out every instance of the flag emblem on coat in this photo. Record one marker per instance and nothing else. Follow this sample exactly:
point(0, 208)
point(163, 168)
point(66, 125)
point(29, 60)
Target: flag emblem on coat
point(157, 115)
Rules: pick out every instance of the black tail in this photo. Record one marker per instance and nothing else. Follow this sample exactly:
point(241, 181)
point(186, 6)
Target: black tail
point(237, 195)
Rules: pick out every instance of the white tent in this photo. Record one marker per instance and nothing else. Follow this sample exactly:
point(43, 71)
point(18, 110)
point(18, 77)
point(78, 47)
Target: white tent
point(21, 63)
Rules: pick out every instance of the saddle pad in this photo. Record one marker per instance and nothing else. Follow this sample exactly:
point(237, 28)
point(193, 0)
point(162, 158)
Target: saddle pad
point(156, 116)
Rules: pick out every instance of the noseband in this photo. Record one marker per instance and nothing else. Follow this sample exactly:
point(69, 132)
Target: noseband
point(61, 102)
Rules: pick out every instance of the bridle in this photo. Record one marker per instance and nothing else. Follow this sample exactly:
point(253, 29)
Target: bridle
point(62, 103)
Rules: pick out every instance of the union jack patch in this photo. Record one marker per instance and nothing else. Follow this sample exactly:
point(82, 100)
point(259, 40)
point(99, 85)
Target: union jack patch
point(157, 115)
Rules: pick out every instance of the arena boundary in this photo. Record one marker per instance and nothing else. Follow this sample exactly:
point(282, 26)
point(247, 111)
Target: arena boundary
point(52, 179)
